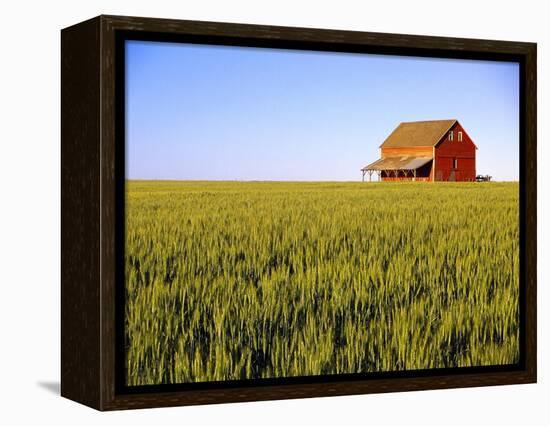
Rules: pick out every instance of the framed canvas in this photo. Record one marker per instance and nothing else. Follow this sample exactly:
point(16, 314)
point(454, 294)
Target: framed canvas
point(257, 212)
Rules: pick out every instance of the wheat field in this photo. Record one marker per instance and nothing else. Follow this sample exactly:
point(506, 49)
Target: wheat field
point(243, 280)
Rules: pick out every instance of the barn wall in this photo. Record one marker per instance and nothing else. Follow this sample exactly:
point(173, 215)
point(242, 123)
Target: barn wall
point(423, 174)
point(417, 151)
point(404, 179)
point(465, 153)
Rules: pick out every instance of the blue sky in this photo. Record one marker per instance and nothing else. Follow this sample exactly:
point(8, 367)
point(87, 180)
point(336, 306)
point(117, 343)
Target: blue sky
point(237, 113)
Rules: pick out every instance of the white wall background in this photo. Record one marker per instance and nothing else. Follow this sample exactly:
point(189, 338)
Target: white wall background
point(30, 209)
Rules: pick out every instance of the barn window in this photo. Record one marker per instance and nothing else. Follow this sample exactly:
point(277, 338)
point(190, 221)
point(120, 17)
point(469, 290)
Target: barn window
point(460, 136)
point(451, 135)
point(455, 163)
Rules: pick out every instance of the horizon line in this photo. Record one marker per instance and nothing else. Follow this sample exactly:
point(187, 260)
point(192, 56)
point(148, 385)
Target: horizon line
point(283, 181)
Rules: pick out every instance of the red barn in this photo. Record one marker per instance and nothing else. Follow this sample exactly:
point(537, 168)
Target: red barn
point(437, 150)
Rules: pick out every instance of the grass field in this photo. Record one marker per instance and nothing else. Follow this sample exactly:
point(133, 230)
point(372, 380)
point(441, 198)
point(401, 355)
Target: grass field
point(241, 280)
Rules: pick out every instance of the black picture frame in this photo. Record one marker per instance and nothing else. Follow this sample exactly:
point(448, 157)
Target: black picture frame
point(92, 161)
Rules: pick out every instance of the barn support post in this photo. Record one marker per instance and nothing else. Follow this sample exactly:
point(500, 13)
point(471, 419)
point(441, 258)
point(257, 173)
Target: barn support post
point(363, 177)
point(370, 175)
point(414, 175)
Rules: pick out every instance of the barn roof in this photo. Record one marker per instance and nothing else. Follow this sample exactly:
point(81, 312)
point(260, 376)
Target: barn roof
point(398, 163)
point(418, 133)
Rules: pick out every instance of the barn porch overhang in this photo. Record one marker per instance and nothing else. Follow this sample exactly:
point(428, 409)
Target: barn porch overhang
point(397, 163)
